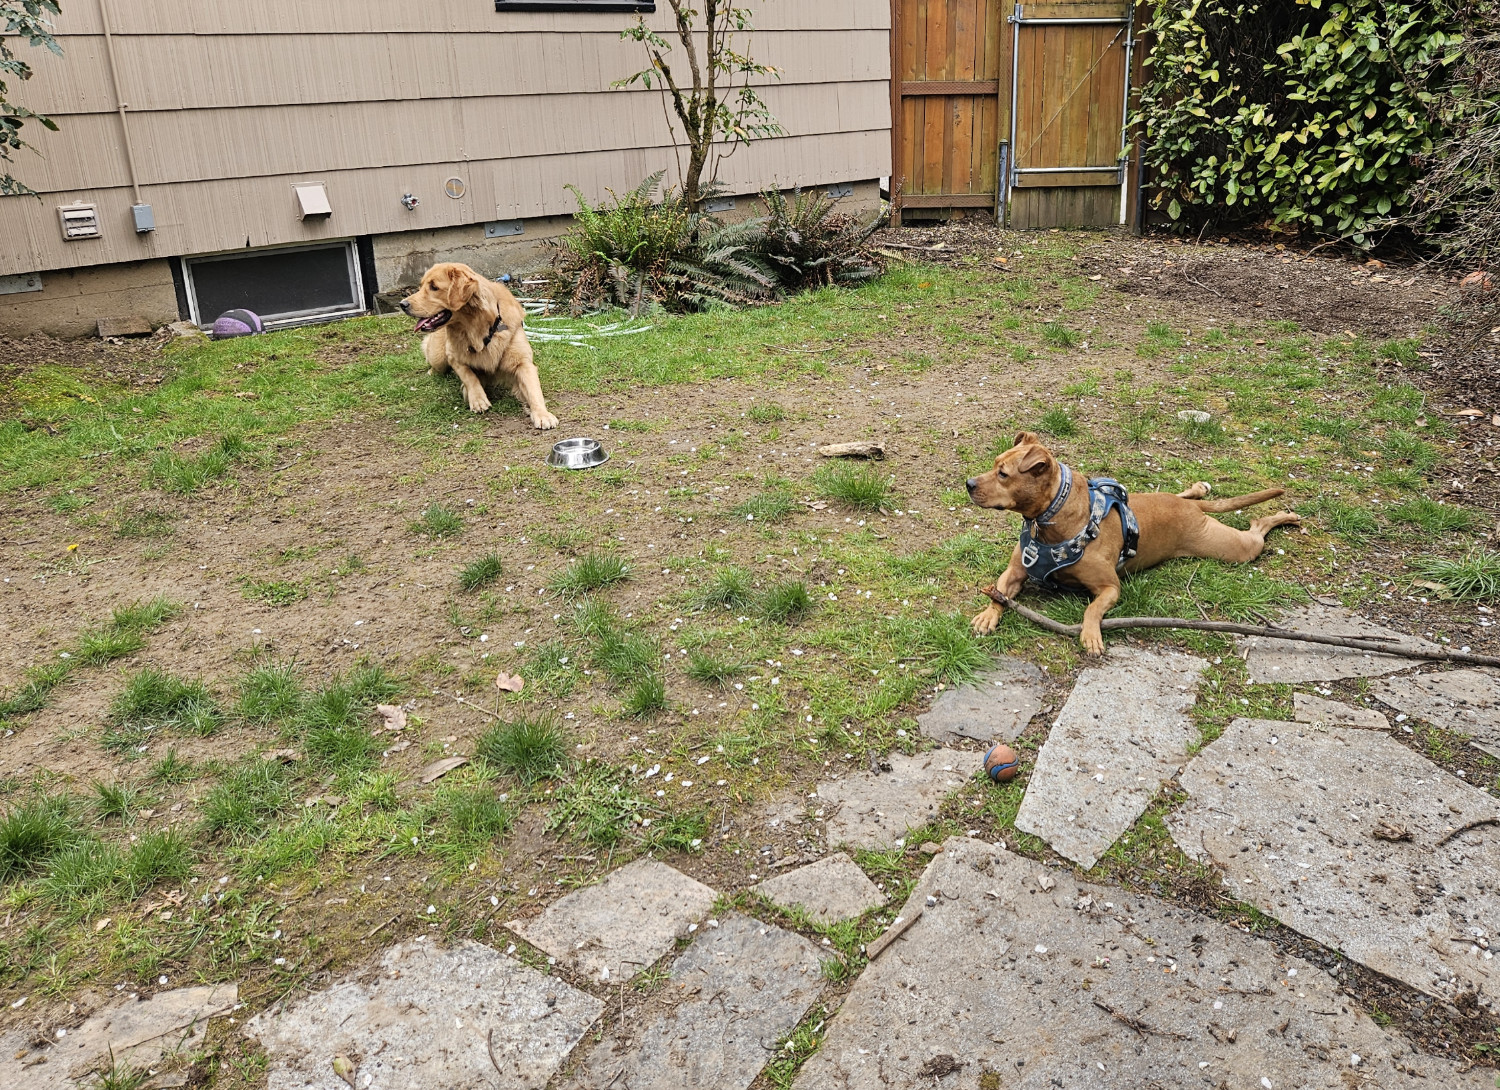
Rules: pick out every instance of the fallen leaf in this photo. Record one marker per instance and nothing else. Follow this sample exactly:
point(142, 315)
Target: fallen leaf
point(102, 924)
point(393, 714)
point(438, 769)
point(1471, 413)
point(509, 683)
point(281, 755)
point(1436, 588)
point(343, 1067)
point(401, 746)
point(248, 395)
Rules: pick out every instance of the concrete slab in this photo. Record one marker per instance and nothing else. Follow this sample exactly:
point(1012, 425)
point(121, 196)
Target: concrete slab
point(1335, 713)
point(870, 810)
point(1272, 660)
point(995, 708)
point(136, 1032)
point(1467, 701)
point(613, 930)
point(715, 1023)
point(1355, 841)
point(1002, 983)
point(829, 890)
point(462, 1018)
point(1123, 731)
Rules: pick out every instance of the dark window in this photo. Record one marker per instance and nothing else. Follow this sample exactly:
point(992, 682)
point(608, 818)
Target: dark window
point(574, 5)
point(284, 286)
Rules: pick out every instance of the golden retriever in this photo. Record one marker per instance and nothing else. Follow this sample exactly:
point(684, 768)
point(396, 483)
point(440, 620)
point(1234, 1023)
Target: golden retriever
point(476, 327)
point(1027, 479)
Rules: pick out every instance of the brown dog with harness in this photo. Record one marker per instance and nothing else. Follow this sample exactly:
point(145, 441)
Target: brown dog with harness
point(1072, 539)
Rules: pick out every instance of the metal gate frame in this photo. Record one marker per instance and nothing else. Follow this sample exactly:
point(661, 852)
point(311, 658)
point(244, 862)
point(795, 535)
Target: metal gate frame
point(1009, 173)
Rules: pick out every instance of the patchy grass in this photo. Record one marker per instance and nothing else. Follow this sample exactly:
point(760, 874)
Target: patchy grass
point(480, 572)
point(270, 693)
point(863, 488)
point(438, 522)
point(1058, 422)
point(1432, 517)
point(772, 505)
point(273, 592)
point(589, 573)
point(528, 749)
point(153, 699)
point(786, 602)
point(647, 697)
point(729, 587)
point(712, 669)
point(1475, 575)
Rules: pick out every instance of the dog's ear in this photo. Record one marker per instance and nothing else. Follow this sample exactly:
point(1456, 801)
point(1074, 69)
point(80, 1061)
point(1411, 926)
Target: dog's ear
point(1034, 459)
point(461, 286)
point(1026, 437)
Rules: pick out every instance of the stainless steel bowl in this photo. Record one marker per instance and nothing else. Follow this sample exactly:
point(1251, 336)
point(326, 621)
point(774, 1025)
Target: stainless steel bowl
point(577, 454)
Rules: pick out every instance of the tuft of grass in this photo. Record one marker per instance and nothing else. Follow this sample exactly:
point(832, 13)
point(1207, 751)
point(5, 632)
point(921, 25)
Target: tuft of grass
point(950, 646)
point(144, 616)
point(438, 522)
point(1137, 424)
point(1434, 517)
point(185, 474)
point(243, 803)
point(727, 588)
point(116, 800)
point(1058, 335)
point(596, 806)
point(590, 572)
point(156, 857)
point(149, 523)
point(1346, 519)
point(121, 1076)
point(795, 1049)
point(270, 693)
point(472, 817)
point(80, 871)
point(480, 573)
point(332, 725)
point(1474, 576)
point(786, 602)
point(647, 697)
point(859, 487)
point(625, 656)
point(1058, 422)
point(771, 505)
point(767, 413)
point(710, 669)
point(594, 617)
point(273, 592)
point(528, 749)
point(172, 769)
point(1402, 350)
point(33, 831)
point(101, 645)
point(153, 698)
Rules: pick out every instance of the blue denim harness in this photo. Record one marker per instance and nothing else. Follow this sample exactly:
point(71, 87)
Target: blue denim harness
point(1043, 561)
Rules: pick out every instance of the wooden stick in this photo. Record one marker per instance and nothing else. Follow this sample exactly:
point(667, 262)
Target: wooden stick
point(892, 933)
point(1377, 646)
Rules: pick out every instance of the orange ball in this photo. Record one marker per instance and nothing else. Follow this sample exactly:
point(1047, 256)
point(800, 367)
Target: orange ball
point(1002, 763)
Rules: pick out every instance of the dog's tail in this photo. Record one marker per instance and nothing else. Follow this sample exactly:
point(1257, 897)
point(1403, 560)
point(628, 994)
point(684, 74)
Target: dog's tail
point(1235, 503)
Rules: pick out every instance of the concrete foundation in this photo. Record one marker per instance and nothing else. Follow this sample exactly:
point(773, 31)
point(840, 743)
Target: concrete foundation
point(72, 301)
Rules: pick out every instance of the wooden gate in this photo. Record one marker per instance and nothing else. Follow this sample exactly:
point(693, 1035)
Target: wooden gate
point(1019, 109)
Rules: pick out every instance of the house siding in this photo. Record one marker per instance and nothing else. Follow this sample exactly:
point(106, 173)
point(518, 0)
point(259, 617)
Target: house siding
point(231, 104)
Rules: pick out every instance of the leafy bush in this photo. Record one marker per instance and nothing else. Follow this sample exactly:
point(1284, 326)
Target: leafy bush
point(635, 250)
point(1293, 111)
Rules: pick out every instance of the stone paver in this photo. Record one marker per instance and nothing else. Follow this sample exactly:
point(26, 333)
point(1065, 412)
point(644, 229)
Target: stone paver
point(136, 1032)
point(462, 1018)
point(1273, 660)
point(1467, 701)
point(1123, 731)
point(731, 996)
point(1334, 713)
point(995, 708)
point(1354, 840)
point(829, 890)
point(613, 930)
point(1088, 987)
point(874, 811)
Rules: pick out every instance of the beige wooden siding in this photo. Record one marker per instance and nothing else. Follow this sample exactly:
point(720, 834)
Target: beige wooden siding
point(230, 103)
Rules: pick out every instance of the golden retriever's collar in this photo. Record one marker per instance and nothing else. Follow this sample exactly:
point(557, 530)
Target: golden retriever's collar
point(490, 336)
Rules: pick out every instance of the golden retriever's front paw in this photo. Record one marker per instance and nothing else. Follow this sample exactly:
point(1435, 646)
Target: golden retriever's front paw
point(986, 622)
point(1093, 642)
point(543, 421)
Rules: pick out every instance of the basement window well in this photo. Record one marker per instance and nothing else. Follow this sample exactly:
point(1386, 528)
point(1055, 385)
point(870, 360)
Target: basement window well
point(291, 285)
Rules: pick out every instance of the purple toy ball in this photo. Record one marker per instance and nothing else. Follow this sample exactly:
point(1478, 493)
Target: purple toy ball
point(237, 323)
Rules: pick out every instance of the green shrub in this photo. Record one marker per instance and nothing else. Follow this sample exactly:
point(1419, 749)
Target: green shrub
point(1311, 116)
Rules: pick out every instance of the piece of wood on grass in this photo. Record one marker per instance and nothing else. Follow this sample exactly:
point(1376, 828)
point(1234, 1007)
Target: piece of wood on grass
point(892, 933)
point(862, 448)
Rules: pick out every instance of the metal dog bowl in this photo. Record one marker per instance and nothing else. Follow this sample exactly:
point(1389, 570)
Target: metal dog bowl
point(577, 454)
